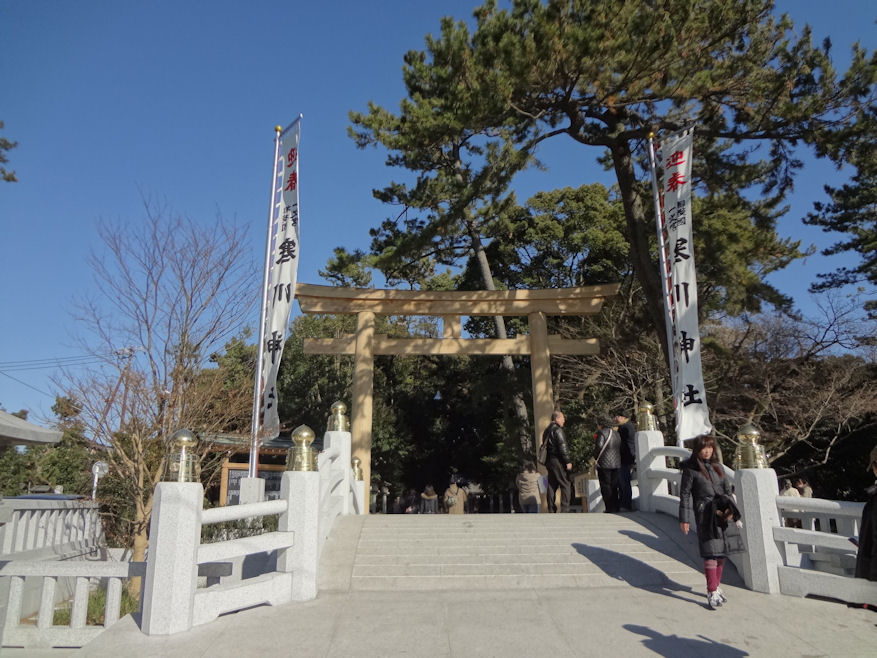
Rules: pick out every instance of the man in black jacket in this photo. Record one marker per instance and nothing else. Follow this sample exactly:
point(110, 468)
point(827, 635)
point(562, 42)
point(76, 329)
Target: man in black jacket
point(627, 432)
point(558, 463)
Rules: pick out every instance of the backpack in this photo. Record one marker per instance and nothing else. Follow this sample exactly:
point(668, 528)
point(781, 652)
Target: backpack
point(542, 453)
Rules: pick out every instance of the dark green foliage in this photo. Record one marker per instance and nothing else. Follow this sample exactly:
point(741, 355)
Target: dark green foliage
point(66, 464)
point(852, 211)
point(6, 145)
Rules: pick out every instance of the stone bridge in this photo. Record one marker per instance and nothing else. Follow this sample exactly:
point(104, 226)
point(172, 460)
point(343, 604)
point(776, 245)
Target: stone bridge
point(507, 584)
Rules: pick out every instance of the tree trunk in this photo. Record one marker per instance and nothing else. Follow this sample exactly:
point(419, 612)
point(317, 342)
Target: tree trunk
point(517, 398)
point(138, 548)
point(638, 228)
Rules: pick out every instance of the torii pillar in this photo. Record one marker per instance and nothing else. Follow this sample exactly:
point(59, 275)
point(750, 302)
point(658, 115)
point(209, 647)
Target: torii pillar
point(363, 395)
point(540, 374)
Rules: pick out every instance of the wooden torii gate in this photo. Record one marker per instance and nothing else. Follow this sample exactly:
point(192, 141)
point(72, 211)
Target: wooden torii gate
point(366, 303)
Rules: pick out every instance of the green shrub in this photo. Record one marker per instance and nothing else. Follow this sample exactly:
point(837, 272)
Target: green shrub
point(97, 603)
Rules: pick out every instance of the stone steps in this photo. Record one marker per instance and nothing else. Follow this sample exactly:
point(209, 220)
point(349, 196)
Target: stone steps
point(508, 551)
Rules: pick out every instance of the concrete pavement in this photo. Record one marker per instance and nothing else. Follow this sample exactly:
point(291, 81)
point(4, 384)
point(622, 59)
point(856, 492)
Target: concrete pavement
point(629, 608)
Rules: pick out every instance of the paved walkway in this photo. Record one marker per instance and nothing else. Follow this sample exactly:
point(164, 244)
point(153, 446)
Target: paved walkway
point(635, 610)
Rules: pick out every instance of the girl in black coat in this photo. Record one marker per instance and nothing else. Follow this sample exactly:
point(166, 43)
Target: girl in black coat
point(703, 485)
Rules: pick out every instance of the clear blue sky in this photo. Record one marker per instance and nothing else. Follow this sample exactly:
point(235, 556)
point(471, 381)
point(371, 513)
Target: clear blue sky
point(177, 100)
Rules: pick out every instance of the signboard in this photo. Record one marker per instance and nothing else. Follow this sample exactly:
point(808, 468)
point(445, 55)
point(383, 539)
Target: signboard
point(230, 488)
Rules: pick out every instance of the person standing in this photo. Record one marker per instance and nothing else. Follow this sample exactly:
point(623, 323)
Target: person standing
point(455, 498)
point(429, 501)
point(703, 481)
point(866, 558)
point(558, 462)
point(789, 490)
point(608, 463)
point(803, 488)
point(411, 503)
point(627, 432)
point(528, 488)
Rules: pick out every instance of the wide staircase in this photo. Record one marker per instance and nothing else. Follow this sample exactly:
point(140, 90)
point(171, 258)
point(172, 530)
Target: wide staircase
point(507, 551)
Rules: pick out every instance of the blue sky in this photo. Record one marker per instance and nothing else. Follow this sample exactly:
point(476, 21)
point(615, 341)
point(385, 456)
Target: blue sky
point(177, 100)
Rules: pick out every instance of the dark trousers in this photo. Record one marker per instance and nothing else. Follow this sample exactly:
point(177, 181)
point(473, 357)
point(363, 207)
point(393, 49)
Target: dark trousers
point(557, 478)
point(625, 493)
point(609, 487)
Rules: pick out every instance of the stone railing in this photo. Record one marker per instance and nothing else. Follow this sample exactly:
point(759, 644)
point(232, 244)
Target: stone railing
point(814, 559)
point(44, 545)
point(37, 529)
point(173, 598)
point(308, 505)
point(43, 633)
point(817, 555)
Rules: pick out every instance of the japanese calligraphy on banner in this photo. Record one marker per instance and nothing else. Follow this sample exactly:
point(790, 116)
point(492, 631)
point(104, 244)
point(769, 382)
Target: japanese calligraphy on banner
point(282, 273)
point(692, 415)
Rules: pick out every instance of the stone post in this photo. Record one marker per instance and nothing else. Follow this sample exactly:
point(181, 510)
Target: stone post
point(645, 442)
point(301, 491)
point(341, 440)
point(252, 490)
point(172, 563)
point(361, 499)
point(757, 491)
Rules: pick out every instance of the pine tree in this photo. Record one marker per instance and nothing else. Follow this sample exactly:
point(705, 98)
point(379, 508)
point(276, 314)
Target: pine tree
point(607, 75)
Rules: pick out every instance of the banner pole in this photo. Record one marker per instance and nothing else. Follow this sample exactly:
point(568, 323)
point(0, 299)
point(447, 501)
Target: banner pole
point(257, 389)
point(665, 282)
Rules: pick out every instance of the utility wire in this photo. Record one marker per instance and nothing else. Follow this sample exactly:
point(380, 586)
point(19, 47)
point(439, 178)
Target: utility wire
point(59, 362)
point(25, 384)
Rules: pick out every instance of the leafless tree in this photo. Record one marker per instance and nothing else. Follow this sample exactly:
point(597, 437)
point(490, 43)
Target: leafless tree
point(168, 292)
point(806, 382)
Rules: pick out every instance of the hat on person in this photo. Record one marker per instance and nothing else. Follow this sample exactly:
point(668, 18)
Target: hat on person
point(872, 458)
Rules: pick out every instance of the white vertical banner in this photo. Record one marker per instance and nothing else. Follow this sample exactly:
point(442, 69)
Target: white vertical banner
point(282, 273)
point(692, 414)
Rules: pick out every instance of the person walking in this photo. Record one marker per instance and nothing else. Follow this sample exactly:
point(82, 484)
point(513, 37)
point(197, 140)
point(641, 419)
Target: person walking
point(704, 496)
point(608, 463)
point(528, 488)
point(866, 558)
point(627, 432)
point(455, 498)
point(558, 462)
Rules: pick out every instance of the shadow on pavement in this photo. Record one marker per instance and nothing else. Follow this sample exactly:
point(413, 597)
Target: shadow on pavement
point(636, 573)
point(675, 646)
point(730, 577)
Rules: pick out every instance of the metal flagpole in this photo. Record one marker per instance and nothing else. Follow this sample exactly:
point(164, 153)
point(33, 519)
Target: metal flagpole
point(257, 391)
point(665, 282)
